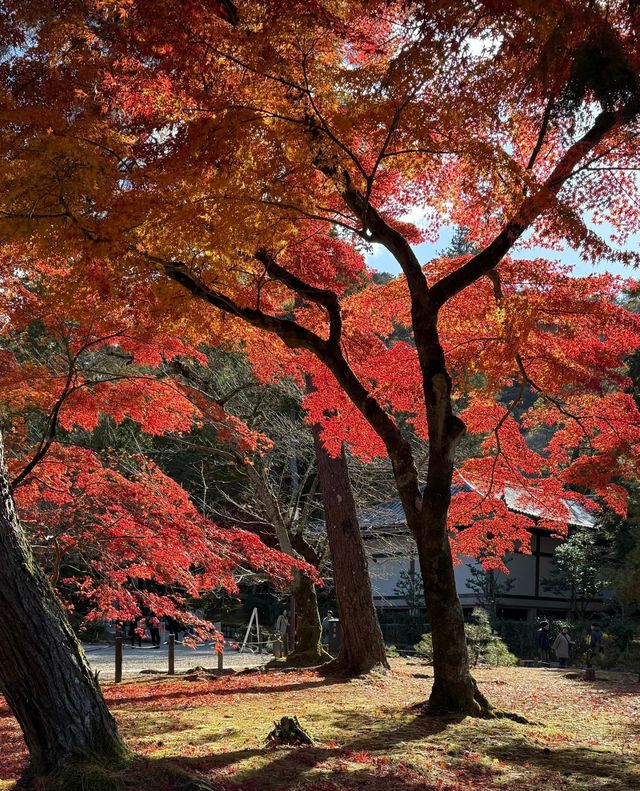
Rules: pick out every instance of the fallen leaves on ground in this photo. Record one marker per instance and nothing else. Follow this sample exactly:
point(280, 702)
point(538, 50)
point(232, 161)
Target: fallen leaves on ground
point(581, 735)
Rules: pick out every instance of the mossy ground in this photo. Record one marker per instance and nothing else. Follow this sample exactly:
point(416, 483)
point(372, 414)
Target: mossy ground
point(581, 735)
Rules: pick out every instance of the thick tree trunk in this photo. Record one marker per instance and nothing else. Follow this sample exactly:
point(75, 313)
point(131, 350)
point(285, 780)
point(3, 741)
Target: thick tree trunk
point(362, 644)
point(44, 675)
point(308, 650)
point(454, 689)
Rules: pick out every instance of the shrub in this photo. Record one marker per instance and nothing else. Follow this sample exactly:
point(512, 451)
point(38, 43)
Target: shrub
point(615, 656)
point(520, 637)
point(484, 645)
point(424, 648)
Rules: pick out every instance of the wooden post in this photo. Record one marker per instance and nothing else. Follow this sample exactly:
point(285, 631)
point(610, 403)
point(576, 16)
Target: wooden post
point(118, 660)
point(221, 661)
point(172, 654)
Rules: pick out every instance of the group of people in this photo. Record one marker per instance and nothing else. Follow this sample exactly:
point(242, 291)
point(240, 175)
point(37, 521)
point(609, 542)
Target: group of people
point(563, 645)
point(282, 629)
point(135, 629)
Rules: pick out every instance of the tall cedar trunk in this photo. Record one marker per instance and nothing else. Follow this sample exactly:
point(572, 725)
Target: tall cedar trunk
point(44, 675)
point(362, 643)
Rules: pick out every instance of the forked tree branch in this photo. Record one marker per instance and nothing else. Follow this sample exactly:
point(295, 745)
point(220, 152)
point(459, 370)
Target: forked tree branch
point(295, 336)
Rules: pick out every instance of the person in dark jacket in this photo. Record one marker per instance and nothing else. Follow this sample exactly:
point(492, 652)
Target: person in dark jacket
point(595, 639)
point(173, 627)
point(154, 630)
point(135, 633)
point(544, 641)
point(595, 643)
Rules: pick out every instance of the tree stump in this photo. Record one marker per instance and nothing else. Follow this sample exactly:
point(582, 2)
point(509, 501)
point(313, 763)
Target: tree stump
point(590, 674)
point(288, 731)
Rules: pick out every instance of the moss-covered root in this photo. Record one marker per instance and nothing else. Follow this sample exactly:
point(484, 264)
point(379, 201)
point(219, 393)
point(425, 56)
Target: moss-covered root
point(300, 659)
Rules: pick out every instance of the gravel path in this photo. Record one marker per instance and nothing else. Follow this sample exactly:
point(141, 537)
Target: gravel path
point(102, 658)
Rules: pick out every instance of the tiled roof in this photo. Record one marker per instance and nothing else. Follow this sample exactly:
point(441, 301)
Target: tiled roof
point(391, 515)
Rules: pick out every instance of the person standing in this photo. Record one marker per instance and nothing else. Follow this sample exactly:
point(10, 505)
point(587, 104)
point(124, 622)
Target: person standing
point(544, 642)
point(282, 628)
point(325, 628)
point(154, 631)
point(173, 627)
point(595, 642)
point(135, 633)
point(562, 647)
point(595, 639)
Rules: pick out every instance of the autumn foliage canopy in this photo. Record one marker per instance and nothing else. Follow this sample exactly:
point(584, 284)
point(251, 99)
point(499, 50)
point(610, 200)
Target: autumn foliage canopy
point(219, 170)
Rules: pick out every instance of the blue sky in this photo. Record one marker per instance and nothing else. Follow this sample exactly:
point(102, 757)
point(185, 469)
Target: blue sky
point(382, 261)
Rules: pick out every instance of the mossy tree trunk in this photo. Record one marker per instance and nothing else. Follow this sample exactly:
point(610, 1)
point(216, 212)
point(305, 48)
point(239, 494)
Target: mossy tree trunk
point(307, 650)
point(44, 675)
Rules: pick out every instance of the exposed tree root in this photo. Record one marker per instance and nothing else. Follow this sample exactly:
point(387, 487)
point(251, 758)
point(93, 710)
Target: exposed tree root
point(341, 669)
point(300, 659)
point(476, 706)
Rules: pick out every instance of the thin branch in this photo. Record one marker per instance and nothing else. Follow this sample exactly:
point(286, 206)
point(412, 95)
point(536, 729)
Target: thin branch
point(541, 134)
point(451, 284)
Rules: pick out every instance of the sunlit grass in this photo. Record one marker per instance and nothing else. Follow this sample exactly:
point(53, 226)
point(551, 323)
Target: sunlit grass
point(580, 735)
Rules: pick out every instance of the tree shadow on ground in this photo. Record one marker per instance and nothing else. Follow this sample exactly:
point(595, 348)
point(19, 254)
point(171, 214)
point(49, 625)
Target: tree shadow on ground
point(225, 691)
point(583, 762)
point(290, 767)
point(618, 684)
point(295, 769)
point(146, 727)
point(374, 745)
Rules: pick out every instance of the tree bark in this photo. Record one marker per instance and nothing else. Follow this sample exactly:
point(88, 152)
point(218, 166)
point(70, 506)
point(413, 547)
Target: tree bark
point(44, 675)
point(308, 650)
point(362, 644)
point(454, 688)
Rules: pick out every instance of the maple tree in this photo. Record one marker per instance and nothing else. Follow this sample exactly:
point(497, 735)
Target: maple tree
point(207, 149)
point(286, 508)
point(115, 517)
point(73, 364)
point(117, 535)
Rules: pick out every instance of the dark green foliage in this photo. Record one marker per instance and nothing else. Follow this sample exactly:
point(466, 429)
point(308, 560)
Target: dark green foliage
point(580, 572)
point(410, 587)
point(519, 636)
point(484, 645)
point(460, 244)
point(488, 587)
